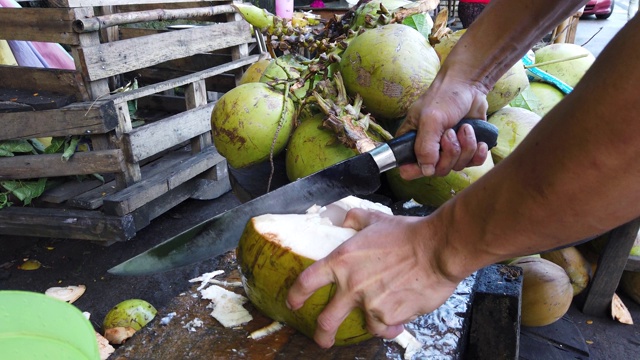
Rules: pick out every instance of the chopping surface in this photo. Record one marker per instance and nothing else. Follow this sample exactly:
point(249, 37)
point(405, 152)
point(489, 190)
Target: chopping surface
point(193, 334)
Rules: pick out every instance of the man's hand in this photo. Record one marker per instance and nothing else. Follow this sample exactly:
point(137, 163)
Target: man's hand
point(438, 148)
point(389, 269)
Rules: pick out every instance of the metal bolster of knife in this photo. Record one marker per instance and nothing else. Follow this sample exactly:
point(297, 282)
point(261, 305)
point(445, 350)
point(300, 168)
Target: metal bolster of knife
point(384, 157)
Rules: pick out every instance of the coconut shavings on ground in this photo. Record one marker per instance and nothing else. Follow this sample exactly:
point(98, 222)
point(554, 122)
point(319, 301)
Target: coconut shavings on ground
point(227, 305)
point(193, 325)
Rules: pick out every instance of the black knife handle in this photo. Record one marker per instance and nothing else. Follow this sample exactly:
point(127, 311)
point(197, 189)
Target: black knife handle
point(403, 146)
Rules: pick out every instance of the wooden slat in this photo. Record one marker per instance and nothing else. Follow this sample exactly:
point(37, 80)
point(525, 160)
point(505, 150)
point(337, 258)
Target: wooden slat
point(596, 299)
point(141, 193)
point(161, 135)
point(37, 79)
point(88, 3)
point(75, 119)
point(110, 59)
point(143, 215)
point(93, 199)
point(165, 5)
point(183, 80)
point(51, 165)
point(38, 24)
point(67, 190)
point(633, 264)
point(65, 223)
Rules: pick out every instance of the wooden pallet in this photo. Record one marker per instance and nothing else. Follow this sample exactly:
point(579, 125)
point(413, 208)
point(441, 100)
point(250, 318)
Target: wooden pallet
point(147, 169)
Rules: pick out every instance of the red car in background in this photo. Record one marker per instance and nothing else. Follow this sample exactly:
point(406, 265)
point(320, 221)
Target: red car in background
point(602, 9)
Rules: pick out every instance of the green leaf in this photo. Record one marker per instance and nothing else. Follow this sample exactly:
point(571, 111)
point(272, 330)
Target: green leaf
point(527, 99)
point(421, 22)
point(57, 144)
point(4, 201)
point(25, 190)
point(15, 146)
point(70, 148)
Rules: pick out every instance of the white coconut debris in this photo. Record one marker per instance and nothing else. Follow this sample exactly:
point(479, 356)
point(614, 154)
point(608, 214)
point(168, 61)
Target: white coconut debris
point(167, 319)
point(267, 330)
point(205, 278)
point(227, 306)
point(67, 293)
point(193, 325)
point(104, 348)
point(409, 343)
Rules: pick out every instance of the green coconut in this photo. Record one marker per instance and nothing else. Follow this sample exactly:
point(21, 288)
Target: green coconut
point(372, 8)
point(133, 313)
point(255, 71)
point(514, 124)
point(539, 97)
point(512, 83)
point(246, 120)
point(447, 42)
point(390, 67)
point(435, 190)
point(313, 148)
point(546, 291)
point(570, 71)
point(274, 249)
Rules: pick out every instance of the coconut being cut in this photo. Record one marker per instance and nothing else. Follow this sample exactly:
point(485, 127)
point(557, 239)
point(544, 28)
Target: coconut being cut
point(275, 249)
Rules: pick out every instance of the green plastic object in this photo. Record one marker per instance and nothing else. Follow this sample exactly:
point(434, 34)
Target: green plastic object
point(37, 326)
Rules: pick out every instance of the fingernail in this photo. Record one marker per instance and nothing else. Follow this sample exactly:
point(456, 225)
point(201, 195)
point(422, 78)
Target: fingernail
point(451, 135)
point(286, 302)
point(427, 170)
point(467, 130)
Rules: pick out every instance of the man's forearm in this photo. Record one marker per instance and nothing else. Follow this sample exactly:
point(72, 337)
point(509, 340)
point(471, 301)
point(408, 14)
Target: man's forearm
point(574, 176)
point(503, 33)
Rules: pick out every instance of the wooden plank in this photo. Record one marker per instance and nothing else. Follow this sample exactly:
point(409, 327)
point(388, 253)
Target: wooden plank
point(38, 79)
point(69, 189)
point(183, 80)
point(38, 24)
point(158, 206)
point(496, 302)
point(633, 264)
point(561, 340)
point(93, 199)
point(51, 165)
point(597, 297)
point(66, 223)
point(161, 135)
point(89, 3)
point(141, 193)
point(75, 119)
point(110, 59)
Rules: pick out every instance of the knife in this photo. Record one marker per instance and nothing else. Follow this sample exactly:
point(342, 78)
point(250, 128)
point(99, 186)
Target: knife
point(358, 176)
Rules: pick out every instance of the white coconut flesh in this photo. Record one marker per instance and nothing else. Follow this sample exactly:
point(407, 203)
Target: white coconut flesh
point(315, 234)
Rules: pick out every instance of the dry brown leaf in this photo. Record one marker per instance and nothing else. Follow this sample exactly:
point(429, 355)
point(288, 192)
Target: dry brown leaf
point(619, 311)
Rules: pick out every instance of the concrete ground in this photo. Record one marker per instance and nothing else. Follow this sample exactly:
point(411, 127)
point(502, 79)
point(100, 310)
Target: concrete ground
point(72, 262)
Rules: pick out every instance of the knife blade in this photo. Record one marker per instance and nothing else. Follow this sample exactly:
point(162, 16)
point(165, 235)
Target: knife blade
point(358, 176)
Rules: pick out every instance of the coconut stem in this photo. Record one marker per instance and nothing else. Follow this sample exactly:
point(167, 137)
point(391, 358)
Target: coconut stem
point(554, 61)
point(285, 96)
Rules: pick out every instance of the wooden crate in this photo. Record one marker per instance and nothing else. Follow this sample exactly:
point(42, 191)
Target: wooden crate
point(148, 169)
